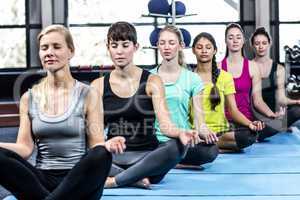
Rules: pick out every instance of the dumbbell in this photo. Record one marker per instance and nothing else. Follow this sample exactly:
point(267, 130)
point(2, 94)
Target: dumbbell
point(296, 48)
point(294, 54)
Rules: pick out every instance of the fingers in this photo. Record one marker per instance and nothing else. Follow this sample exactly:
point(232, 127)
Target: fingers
point(257, 125)
point(117, 145)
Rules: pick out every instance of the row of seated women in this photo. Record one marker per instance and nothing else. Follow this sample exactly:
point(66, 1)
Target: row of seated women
point(170, 116)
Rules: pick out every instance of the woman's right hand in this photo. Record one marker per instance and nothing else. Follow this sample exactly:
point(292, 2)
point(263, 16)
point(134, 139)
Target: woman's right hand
point(281, 112)
point(189, 137)
point(257, 125)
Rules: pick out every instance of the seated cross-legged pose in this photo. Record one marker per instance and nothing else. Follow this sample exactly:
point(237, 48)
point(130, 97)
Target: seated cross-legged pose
point(219, 93)
point(182, 87)
point(273, 87)
point(247, 82)
point(132, 97)
point(63, 117)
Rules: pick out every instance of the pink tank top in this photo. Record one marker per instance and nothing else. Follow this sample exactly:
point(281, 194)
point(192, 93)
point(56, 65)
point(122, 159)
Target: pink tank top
point(243, 85)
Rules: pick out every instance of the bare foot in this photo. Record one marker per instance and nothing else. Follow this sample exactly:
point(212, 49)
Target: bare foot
point(144, 184)
point(110, 182)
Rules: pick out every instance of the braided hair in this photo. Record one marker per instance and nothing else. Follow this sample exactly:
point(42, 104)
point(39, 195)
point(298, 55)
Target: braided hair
point(214, 96)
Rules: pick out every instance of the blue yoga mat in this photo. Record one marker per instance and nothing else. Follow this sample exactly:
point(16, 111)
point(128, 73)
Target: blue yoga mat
point(246, 165)
point(202, 198)
point(219, 184)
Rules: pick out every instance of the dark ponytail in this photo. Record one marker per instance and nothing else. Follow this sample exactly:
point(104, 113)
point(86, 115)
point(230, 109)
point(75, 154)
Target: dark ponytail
point(214, 96)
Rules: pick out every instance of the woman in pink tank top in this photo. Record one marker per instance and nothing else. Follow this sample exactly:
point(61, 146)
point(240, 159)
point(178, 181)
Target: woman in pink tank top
point(247, 84)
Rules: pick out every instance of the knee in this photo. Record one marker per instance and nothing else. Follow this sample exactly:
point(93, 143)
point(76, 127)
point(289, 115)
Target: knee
point(246, 140)
point(100, 155)
point(174, 149)
point(212, 153)
point(4, 156)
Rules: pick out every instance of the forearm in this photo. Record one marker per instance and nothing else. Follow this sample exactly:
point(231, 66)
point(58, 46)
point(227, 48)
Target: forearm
point(238, 117)
point(284, 101)
point(22, 150)
point(263, 108)
point(169, 129)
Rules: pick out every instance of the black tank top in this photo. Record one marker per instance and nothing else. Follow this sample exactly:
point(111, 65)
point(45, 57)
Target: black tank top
point(269, 87)
point(131, 117)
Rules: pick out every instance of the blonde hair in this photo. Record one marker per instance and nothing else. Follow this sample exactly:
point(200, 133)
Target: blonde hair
point(40, 91)
point(178, 33)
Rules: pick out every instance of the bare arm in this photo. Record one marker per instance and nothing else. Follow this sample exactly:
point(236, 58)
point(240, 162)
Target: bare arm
point(156, 90)
point(282, 98)
point(95, 120)
point(236, 115)
point(207, 135)
point(258, 101)
point(24, 145)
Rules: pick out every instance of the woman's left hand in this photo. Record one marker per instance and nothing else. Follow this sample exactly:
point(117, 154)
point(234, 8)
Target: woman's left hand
point(115, 145)
point(207, 135)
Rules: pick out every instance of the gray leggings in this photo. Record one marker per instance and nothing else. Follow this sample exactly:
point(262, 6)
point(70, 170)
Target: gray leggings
point(133, 166)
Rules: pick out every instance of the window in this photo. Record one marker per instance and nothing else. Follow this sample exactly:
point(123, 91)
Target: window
point(289, 25)
point(13, 34)
point(89, 21)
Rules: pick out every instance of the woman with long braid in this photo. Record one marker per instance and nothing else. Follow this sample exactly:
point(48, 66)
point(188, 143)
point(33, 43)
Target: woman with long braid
point(219, 92)
point(182, 85)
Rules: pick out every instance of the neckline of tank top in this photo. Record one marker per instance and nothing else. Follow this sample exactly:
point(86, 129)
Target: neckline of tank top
point(269, 72)
point(75, 94)
point(171, 83)
point(245, 61)
point(135, 92)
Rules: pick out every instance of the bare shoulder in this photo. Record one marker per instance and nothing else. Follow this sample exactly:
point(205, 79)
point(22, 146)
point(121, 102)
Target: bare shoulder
point(280, 68)
point(280, 71)
point(98, 84)
point(253, 68)
point(154, 78)
point(24, 102)
point(154, 84)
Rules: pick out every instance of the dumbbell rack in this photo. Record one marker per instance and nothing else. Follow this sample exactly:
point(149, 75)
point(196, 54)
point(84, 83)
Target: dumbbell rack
point(167, 17)
point(291, 68)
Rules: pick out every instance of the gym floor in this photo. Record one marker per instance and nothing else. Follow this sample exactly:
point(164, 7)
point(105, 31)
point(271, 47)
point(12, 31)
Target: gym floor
point(269, 170)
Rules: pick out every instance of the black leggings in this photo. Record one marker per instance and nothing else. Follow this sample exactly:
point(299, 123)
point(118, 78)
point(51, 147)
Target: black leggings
point(84, 181)
point(244, 137)
point(200, 154)
point(293, 114)
point(153, 164)
point(274, 126)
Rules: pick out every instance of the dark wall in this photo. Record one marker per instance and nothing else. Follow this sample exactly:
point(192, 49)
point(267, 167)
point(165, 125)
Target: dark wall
point(14, 84)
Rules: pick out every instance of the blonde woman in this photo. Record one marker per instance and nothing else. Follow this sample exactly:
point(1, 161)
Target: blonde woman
point(64, 119)
point(181, 86)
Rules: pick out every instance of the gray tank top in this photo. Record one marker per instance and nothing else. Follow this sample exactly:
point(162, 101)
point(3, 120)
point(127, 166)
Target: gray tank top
point(60, 140)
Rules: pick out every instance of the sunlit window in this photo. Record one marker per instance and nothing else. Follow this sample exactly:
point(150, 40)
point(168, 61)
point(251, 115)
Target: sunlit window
point(89, 21)
point(13, 34)
point(289, 25)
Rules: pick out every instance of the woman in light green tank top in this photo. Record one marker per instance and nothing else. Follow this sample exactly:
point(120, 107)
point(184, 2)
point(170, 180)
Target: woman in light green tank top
point(182, 86)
